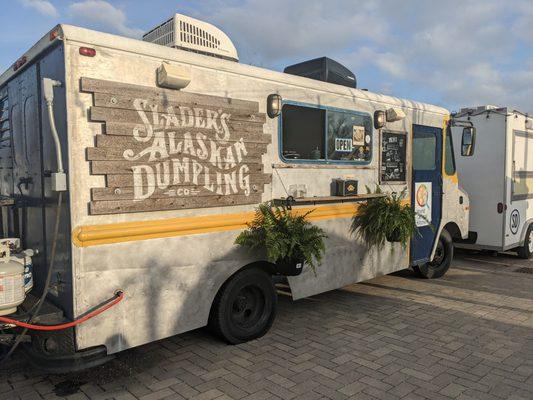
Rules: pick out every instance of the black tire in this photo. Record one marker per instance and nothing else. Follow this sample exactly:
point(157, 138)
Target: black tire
point(3, 351)
point(245, 307)
point(441, 261)
point(524, 251)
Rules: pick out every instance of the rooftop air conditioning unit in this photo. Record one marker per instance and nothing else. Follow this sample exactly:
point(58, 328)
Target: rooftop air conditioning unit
point(324, 69)
point(186, 33)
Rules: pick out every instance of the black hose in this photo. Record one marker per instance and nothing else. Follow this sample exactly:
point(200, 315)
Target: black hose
point(40, 303)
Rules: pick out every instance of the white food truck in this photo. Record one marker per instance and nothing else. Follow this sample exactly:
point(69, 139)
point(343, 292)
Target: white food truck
point(129, 167)
point(497, 173)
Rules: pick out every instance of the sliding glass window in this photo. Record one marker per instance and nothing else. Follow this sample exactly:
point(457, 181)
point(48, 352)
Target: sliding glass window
point(322, 135)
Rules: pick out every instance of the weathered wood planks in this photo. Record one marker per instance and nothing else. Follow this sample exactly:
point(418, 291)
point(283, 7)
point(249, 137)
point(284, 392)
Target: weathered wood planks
point(126, 167)
point(126, 206)
point(128, 128)
point(132, 116)
point(126, 180)
point(127, 193)
point(162, 149)
point(112, 153)
point(130, 142)
point(164, 96)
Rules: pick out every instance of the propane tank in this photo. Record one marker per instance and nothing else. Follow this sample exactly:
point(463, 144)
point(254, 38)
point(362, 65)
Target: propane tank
point(28, 270)
point(25, 258)
point(12, 291)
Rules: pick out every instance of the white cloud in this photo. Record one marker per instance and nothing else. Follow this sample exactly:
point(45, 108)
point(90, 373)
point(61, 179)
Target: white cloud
point(102, 15)
point(522, 26)
point(393, 64)
point(454, 53)
point(278, 30)
point(42, 6)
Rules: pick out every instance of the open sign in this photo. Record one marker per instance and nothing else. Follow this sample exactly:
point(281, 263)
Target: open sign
point(343, 145)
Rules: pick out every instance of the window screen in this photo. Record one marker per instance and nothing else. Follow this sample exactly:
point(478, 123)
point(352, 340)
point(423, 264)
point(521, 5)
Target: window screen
point(424, 153)
point(303, 133)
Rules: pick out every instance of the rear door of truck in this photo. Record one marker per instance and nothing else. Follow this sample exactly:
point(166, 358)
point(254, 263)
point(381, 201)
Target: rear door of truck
point(27, 158)
point(520, 184)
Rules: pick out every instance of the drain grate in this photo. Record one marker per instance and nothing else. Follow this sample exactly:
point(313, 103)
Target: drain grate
point(524, 270)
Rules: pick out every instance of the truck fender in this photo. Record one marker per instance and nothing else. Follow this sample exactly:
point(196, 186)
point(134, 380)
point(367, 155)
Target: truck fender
point(524, 230)
point(264, 265)
point(453, 229)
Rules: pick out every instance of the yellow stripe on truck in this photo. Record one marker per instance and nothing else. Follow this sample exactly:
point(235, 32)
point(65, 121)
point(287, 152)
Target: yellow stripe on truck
point(94, 235)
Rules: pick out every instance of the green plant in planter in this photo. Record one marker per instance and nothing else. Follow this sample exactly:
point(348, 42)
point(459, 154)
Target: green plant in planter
point(385, 218)
point(287, 237)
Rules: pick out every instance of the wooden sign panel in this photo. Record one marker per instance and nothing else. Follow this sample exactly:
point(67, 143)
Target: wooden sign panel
point(393, 157)
point(162, 149)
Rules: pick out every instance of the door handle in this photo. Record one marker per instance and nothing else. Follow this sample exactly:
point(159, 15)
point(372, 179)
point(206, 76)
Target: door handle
point(461, 199)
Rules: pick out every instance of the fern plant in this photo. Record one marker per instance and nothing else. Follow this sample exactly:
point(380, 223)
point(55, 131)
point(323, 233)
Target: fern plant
point(384, 219)
point(286, 236)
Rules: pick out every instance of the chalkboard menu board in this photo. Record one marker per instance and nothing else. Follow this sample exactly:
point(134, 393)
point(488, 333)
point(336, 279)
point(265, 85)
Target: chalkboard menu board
point(393, 155)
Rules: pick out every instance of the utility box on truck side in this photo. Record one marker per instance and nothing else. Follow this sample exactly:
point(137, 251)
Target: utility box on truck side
point(498, 178)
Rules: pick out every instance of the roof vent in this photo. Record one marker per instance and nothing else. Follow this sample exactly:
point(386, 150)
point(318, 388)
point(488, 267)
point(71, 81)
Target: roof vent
point(324, 69)
point(186, 33)
point(479, 109)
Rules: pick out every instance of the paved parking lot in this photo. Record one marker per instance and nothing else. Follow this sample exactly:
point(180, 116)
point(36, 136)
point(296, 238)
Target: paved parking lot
point(468, 335)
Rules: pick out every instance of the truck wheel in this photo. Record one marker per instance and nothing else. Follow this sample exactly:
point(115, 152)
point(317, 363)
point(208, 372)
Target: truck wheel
point(526, 250)
point(3, 351)
point(441, 260)
point(245, 307)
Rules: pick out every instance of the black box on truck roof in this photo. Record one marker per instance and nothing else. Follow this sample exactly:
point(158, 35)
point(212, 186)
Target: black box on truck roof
point(324, 69)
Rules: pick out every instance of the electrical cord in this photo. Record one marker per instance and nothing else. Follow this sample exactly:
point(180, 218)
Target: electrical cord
point(117, 298)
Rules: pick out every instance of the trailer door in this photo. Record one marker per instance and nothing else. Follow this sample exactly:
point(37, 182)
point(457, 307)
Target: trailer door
point(426, 190)
point(518, 212)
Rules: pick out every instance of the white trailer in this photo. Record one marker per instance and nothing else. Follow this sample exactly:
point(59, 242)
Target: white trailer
point(167, 152)
point(498, 177)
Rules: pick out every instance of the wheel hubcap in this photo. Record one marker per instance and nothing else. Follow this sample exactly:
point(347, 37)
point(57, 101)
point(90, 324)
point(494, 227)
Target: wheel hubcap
point(248, 307)
point(530, 242)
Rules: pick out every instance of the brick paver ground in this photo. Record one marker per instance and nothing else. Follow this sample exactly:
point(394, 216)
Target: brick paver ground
point(466, 336)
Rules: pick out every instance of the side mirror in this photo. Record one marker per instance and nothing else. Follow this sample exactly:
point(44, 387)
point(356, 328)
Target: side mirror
point(468, 142)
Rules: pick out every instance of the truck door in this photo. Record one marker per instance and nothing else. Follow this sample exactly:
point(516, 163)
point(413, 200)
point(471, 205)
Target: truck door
point(426, 190)
point(25, 169)
point(518, 212)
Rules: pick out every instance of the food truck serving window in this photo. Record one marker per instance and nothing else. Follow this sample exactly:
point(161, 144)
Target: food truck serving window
point(349, 136)
point(303, 133)
point(325, 135)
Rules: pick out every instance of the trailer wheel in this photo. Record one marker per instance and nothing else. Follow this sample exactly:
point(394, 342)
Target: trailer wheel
point(526, 250)
point(245, 307)
point(441, 260)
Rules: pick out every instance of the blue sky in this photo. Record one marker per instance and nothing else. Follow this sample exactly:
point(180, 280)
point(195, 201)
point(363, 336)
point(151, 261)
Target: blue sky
point(454, 53)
